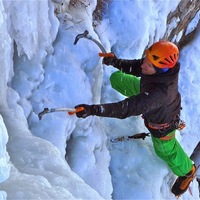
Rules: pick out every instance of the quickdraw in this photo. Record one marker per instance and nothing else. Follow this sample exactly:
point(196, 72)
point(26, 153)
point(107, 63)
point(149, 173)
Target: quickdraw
point(181, 125)
point(126, 138)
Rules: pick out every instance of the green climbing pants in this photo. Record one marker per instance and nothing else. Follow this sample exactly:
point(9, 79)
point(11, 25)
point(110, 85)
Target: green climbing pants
point(168, 150)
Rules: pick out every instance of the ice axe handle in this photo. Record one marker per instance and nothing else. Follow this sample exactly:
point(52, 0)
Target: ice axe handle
point(79, 109)
point(111, 55)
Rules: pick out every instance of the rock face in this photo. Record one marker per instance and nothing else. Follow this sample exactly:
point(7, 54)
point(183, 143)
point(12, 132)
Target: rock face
point(185, 12)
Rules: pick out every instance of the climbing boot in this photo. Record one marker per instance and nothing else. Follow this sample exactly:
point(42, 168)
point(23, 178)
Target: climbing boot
point(182, 182)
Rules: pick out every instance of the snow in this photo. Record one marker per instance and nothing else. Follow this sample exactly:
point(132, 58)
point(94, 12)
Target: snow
point(61, 156)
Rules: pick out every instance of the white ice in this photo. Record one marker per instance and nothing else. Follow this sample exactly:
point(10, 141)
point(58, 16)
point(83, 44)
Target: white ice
point(61, 156)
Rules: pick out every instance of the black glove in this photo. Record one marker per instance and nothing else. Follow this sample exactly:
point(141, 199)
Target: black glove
point(88, 110)
point(110, 60)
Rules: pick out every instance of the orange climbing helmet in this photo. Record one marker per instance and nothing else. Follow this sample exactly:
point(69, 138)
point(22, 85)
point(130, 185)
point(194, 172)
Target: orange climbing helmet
point(163, 54)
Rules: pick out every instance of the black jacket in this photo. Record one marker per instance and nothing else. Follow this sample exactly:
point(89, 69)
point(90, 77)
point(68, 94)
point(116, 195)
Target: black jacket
point(159, 100)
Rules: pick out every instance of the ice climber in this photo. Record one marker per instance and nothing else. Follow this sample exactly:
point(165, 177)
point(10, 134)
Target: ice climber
point(151, 87)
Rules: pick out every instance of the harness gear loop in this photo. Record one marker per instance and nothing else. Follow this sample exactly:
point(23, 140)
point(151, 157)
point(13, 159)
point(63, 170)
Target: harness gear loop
point(177, 123)
point(168, 137)
point(158, 126)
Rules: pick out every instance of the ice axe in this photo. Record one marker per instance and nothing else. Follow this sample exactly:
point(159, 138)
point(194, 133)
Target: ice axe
point(89, 37)
point(70, 111)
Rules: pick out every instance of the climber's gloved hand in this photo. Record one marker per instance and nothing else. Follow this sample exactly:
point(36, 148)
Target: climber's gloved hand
point(110, 60)
point(88, 110)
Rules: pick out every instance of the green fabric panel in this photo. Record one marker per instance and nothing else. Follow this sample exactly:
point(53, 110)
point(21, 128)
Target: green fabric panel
point(173, 154)
point(126, 84)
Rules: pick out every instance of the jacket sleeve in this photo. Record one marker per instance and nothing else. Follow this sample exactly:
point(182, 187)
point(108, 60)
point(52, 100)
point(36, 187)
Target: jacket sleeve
point(132, 106)
point(129, 66)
